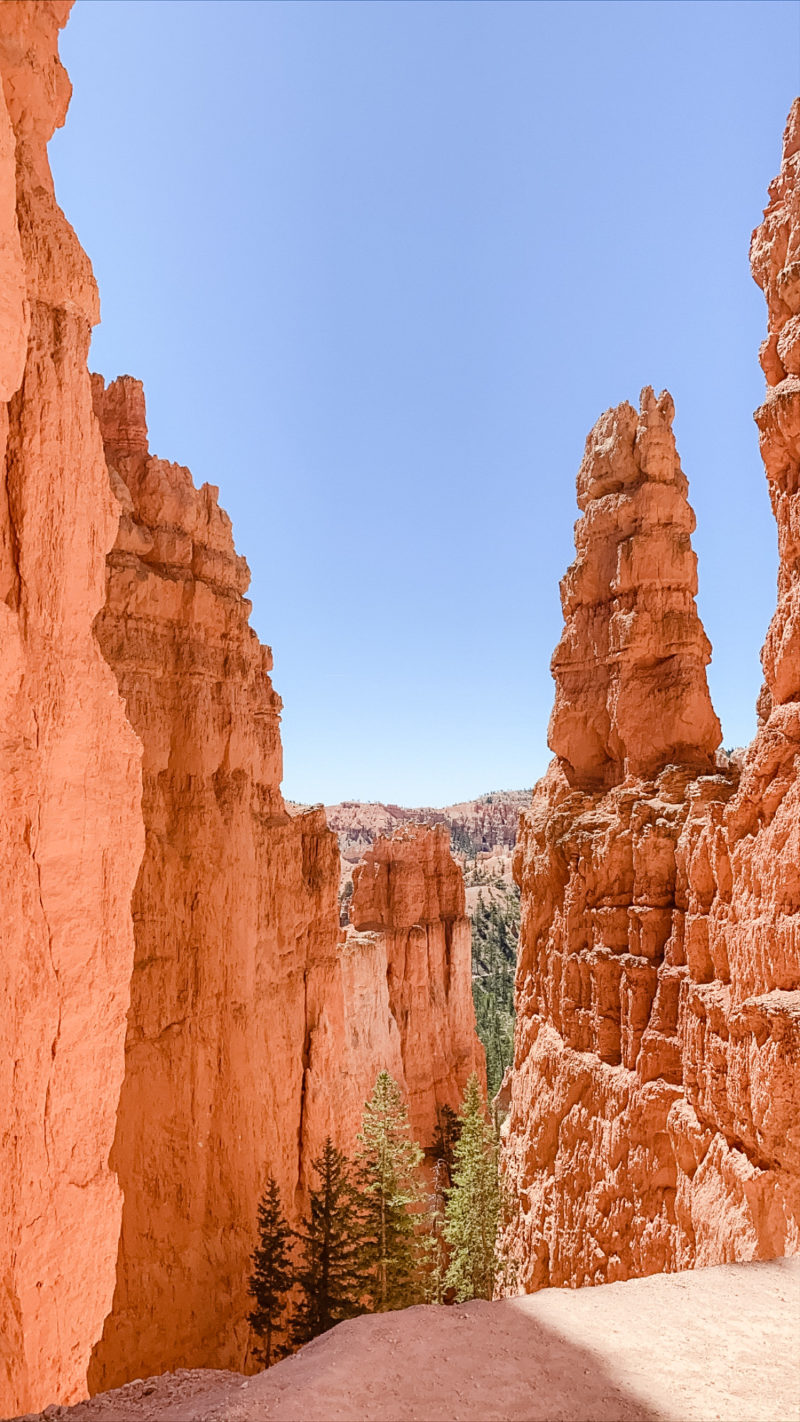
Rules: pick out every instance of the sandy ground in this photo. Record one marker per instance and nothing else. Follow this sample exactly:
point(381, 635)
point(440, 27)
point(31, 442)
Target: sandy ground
point(711, 1345)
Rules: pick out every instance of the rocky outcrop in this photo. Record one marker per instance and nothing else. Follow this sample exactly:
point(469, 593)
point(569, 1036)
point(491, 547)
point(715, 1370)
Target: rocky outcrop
point(655, 1093)
point(70, 823)
point(738, 1135)
point(631, 690)
point(408, 913)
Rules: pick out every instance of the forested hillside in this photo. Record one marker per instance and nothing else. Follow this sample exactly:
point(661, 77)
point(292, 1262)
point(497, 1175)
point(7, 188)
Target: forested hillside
point(495, 932)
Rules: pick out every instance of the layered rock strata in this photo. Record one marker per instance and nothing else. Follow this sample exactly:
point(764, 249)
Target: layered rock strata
point(408, 915)
point(738, 1136)
point(478, 826)
point(631, 690)
point(655, 1095)
point(70, 824)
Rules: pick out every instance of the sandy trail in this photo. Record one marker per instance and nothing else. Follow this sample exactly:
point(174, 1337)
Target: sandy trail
point(710, 1345)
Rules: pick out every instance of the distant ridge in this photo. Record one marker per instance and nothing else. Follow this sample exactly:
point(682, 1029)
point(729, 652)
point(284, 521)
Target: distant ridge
point(477, 826)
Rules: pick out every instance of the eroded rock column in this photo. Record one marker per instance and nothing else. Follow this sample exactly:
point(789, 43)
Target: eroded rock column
point(737, 1136)
point(408, 910)
point(598, 1064)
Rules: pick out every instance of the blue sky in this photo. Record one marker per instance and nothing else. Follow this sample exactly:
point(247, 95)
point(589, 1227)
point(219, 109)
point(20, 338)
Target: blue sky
point(380, 267)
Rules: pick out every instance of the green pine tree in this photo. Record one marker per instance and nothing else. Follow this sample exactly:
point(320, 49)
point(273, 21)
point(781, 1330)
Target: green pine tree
point(330, 1280)
point(434, 1244)
point(272, 1275)
point(447, 1129)
point(391, 1197)
point(472, 1215)
point(495, 930)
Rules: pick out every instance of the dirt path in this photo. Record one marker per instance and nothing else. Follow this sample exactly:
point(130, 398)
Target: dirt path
point(711, 1345)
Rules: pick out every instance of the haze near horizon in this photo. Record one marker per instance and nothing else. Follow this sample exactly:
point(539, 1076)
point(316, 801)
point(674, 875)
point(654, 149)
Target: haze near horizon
point(381, 295)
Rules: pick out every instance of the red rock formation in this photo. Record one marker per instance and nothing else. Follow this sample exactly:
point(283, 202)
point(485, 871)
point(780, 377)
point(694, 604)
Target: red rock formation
point(656, 1088)
point(255, 1030)
point(70, 823)
point(631, 691)
point(490, 822)
point(237, 1011)
point(408, 897)
point(738, 1134)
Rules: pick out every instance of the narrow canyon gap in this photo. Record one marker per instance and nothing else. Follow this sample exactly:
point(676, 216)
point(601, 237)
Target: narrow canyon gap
point(182, 1011)
point(247, 1041)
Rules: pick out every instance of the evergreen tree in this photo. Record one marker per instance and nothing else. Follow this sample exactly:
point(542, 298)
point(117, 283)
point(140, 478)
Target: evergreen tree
point(461, 841)
point(434, 1245)
point(329, 1276)
point(391, 1197)
point(447, 1129)
point(272, 1275)
point(473, 1204)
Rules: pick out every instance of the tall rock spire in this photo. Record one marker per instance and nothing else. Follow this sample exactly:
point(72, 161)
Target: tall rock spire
point(655, 1093)
point(631, 689)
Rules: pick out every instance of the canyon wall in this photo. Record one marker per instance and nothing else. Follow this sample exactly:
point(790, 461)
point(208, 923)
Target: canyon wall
point(655, 1094)
point(70, 824)
point(236, 1033)
point(654, 1098)
point(257, 1027)
point(140, 734)
point(408, 912)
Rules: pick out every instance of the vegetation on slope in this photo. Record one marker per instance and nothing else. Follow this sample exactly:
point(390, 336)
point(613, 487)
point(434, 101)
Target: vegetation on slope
point(495, 934)
point(375, 1236)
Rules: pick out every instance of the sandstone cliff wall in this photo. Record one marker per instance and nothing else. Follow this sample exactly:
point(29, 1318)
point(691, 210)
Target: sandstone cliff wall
point(253, 1028)
point(408, 912)
point(257, 1027)
point(655, 1095)
point(236, 1034)
point(70, 822)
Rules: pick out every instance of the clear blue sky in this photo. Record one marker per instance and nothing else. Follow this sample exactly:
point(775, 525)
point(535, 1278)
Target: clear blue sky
point(380, 267)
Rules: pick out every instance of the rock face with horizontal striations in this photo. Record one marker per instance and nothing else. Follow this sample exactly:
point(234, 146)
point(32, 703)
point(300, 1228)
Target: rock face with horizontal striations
point(655, 1094)
point(408, 909)
point(738, 1136)
point(71, 834)
point(631, 690)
